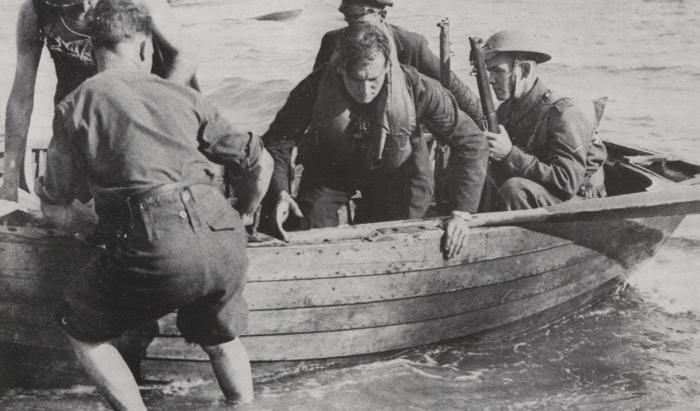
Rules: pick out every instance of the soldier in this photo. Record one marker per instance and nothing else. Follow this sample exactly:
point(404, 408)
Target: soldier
point(140, 145)
point(63, 26)
point(412, 49)
point(364, 135)
point(547, 151)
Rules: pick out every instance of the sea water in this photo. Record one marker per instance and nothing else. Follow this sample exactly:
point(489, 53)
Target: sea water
point(638, 349)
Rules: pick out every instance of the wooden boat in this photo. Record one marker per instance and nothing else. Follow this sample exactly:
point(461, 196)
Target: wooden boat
point(358, 290)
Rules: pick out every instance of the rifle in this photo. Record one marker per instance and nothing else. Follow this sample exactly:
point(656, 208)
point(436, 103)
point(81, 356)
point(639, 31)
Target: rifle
point(482, 80)
point(490, 121)
point(441, 150)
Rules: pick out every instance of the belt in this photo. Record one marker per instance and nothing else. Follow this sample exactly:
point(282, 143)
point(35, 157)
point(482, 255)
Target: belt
point(163, 188)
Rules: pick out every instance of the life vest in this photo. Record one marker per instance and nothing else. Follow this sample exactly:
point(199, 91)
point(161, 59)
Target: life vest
point(386, 141)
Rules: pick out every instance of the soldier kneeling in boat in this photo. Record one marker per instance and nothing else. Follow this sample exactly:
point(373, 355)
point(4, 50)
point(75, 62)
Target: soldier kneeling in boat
point(548, 151)
point(140, 146)
point(364, 135)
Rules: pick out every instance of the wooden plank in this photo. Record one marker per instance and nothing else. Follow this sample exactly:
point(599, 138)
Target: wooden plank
point(355, 290)
point(389, 252)
point(342, 317)
point(373, 340)
point(401, 311)
point(668, 199)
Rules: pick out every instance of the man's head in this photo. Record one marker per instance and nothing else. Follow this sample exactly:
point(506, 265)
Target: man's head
point(122, 29)
point(362, 59)
point(512, 59)
point(364, 11)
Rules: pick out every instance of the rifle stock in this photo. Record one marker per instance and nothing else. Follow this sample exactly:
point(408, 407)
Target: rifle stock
point(482, 80)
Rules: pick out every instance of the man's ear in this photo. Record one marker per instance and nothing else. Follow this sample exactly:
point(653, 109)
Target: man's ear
point(525, 68)
point(382, 14)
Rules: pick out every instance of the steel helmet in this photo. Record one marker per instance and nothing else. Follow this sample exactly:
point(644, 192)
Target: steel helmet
point(511, 41)
point(62, 5)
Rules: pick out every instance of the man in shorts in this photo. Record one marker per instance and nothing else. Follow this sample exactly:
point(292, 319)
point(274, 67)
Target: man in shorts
point(140, 146)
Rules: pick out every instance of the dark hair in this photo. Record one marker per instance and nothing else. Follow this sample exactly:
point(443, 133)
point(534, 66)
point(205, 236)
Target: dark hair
point(360, 42)
point(116, 20)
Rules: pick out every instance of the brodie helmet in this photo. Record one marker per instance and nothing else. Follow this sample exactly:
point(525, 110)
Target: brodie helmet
point(62, 6)
point(511, 41)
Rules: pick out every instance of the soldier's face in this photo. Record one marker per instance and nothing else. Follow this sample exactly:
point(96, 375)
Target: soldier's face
point(500, 68)
point(364, 81)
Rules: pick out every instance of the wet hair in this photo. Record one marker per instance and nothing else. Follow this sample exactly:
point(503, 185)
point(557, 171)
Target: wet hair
point(358, 43)
point(115, 21)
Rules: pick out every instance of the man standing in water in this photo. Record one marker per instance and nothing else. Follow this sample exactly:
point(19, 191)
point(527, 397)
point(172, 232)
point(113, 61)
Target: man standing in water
point(411, 48)
point(139, 145)
point(364, 134)
point(63, 26)
point(547, 151)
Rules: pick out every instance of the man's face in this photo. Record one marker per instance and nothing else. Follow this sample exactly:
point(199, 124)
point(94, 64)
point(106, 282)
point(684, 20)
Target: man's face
point(360, 13)
point(364, 81)
point(500, 68)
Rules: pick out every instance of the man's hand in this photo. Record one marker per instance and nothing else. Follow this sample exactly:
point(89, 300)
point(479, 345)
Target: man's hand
point(456, 232)
point(285, 202)
point(499, 144)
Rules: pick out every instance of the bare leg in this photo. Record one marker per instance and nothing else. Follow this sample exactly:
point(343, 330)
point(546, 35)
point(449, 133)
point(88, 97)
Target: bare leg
point(232, 369)
point(107, 369)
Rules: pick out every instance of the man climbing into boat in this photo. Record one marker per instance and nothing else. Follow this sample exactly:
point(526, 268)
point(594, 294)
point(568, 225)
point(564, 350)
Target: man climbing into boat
point(63, 26)
point(364, 135)
point(411, 48)
point(547, 150)
point(141, 146)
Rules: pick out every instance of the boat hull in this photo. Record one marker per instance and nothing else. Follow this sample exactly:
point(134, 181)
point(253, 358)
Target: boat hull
point(361, 296)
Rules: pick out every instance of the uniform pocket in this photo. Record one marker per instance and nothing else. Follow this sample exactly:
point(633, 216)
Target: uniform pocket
point(225, 219)
point(216, 211)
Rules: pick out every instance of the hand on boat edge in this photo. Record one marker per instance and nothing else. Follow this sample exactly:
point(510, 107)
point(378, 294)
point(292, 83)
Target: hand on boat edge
point(456, 233)
point(285, 202)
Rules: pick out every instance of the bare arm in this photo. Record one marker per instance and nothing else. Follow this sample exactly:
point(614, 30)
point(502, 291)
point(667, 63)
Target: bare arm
point(21, 101)
point(257, 179)
point(183, 61)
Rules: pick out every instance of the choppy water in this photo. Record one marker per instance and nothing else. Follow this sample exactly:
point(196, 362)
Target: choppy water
point(639, 349)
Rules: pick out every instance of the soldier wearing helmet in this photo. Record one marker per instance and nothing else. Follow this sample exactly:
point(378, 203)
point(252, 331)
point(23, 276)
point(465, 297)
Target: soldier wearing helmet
point(62, 25)
point(412, 49)
point(547, 151)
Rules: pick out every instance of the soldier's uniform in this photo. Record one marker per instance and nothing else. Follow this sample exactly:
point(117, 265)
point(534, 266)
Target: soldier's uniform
point(140, 146)
point(555, 154)
point(388, 194)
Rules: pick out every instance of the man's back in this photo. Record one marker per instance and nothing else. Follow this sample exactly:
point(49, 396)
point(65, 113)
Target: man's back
point(138, 130)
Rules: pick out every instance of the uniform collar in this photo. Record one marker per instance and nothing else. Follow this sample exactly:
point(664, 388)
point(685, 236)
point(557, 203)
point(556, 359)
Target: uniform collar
point(521, 108)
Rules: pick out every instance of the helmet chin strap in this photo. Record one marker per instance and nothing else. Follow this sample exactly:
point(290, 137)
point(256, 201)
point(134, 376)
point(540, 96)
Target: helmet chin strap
point(513, 80)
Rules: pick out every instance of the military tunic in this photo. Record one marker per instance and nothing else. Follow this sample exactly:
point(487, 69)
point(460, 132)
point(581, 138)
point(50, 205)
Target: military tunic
point(553, 147)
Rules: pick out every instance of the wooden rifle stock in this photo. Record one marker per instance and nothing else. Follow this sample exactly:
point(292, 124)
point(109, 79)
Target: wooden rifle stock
point(482, 80)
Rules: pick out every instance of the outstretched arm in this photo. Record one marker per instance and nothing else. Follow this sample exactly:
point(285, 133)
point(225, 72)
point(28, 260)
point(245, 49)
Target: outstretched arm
point(21, 101)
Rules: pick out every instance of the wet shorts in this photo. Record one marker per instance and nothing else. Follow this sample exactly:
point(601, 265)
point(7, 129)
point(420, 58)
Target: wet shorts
point(180, 250)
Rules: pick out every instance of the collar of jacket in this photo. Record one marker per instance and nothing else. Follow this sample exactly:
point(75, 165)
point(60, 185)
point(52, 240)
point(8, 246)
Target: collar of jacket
point(397, 39)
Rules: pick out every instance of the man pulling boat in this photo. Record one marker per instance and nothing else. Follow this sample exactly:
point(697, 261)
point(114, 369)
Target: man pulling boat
point(547, 150)
point(140, 146)
point(364, 135)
